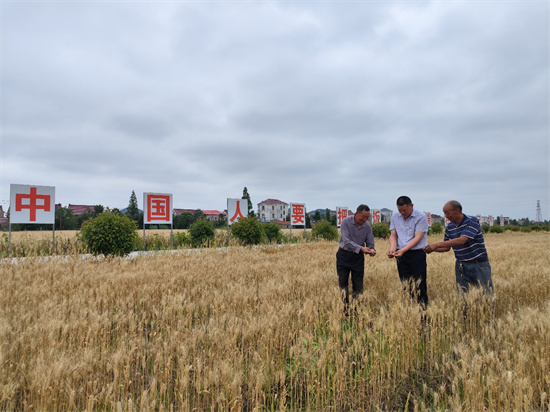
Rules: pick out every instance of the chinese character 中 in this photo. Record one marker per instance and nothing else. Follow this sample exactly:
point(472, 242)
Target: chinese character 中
point(33, 206)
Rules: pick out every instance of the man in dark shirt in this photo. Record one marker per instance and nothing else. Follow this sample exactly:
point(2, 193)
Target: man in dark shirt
point(356, 241)
point(464, 235)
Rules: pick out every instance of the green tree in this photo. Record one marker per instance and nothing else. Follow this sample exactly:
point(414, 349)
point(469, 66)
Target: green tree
point(183, 221)
point(380, 230)
point(323, 229)
point(248, 230)
point(198, 215)
point(221, 222)
point(202, 232)
point(436, 228)
point(133, 210)
point(64, 219)
point(246, 196)
point(317, 216)
point(109, 233)
point(273, 231)
point(308, 221)
point(80, 219)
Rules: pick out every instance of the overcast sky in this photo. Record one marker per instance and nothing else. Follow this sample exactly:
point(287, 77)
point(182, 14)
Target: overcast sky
point(329, 103)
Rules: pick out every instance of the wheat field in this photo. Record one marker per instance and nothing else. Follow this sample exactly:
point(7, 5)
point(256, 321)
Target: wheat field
point(245, 329)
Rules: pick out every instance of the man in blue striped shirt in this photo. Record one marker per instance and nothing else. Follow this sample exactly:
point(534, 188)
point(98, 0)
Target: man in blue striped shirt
point(464, 235)
point(407, 241)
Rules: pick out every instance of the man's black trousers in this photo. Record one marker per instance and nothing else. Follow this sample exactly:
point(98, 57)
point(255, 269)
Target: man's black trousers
point(346, 263)
point(412, 270)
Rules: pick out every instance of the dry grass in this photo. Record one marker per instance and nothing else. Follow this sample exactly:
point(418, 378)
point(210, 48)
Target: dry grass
point(261, 329)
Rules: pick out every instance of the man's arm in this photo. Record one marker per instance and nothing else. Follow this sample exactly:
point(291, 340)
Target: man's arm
point(446, 245)
point(393, 243)
point(414, 241)
point(348, 244)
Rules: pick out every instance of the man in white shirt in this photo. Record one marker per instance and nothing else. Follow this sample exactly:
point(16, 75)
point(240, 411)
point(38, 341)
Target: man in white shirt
point(408, 238)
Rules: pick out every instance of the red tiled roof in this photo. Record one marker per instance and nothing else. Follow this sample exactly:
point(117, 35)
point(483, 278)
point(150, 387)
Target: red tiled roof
point(272, 202)
point(80, 209)
point(281, 222)
point(178, 212)
point(212, 212)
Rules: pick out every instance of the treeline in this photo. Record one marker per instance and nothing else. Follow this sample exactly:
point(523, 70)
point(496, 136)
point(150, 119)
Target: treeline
point(66, 220)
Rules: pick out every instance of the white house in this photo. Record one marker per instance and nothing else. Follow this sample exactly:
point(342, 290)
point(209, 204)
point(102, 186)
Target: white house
point(272, 210)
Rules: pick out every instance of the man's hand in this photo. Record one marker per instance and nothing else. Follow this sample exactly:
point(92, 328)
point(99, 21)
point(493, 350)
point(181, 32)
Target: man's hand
point(399, 253)
point(430, 248)
point(368, 251)
point(391, 253)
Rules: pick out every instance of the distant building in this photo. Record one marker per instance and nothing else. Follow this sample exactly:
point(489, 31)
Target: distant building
point(80, 209)
point(3, 220)
point(178, 212)
point(210, 215)
point(283, 224)
point(438, 219)
point(272, 210)
point(386, 214)
point(213, 215)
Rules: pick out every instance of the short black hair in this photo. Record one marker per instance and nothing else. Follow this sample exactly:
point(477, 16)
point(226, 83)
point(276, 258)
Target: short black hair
point(404, 201)
point(362, 208)
point(455, 205)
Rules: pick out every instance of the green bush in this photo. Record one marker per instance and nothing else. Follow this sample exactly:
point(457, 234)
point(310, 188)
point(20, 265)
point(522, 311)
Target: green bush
point(156, 242)
point(496, 229)
point(325, 230)
point(248, 231)
point(485, 228)
point(512, 228)
point(182, 239)
point(110, 233)
point(273, 232)
point(536, 228)
point(202, 232)
point(380, 230)
point(436, 228)
point(526, 229)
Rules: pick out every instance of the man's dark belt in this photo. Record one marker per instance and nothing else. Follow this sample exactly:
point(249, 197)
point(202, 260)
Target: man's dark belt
point(347, 252)
point(480, 260)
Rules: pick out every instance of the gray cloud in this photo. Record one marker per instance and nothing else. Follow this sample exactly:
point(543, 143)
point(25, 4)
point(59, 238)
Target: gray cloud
point(325, 103)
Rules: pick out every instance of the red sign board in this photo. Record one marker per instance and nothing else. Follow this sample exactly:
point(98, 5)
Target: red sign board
point(32, 204)
point(157, 208)
point(341, 214)
point(236, 209)
point(297, 214)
